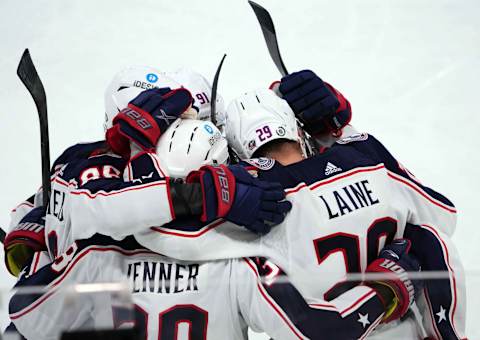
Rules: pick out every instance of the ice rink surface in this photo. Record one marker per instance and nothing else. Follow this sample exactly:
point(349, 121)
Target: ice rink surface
point(410, 68)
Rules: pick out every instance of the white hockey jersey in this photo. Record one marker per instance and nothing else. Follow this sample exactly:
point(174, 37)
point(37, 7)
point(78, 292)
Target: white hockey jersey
point(347, 204)
point(87, 187)
point(177, 299)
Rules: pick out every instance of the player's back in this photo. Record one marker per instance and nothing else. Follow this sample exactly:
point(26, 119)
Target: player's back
point(347, 204)
point(173, 299)
point(183, 300)
point(78, 165)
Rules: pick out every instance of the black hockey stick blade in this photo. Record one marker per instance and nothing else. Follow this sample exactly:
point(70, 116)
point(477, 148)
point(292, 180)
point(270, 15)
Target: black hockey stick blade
point(2, 235)
point(268, 29)
point(28, 75)
point(213, 98)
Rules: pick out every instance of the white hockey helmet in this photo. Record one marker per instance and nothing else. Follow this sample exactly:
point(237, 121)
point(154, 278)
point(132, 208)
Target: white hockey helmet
point(127, 84)
point(201, 90)
point(189, 144)
point(256, 118)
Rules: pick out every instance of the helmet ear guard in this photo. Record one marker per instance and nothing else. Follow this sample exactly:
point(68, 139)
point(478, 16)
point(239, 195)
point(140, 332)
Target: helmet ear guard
point(258, 117)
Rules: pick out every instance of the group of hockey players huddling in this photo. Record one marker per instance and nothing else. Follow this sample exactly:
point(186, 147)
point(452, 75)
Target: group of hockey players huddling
point(210, 248)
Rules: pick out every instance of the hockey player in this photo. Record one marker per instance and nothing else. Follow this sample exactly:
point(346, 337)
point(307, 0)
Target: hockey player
point(266, 133)
point(347, 202)
point(99, 220)
point(95, 165)
point(217, 300)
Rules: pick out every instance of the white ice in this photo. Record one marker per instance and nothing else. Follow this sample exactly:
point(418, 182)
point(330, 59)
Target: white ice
point(410, 68)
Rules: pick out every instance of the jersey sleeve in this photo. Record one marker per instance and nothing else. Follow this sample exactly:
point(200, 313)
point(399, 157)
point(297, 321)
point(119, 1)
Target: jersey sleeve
point(46, 303)
point(443, 303)
point(214, 241)
point(72, 152)
point(92, 197)
point(45, 314)
point(20, 211)
point(424, 205)
point(270, 303)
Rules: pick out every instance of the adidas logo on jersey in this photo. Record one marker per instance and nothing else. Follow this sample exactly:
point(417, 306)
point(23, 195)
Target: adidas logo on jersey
point(331, 168)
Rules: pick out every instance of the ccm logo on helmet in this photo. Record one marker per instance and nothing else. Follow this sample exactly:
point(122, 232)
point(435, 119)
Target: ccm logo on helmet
point(222, 179)
point(142, 122)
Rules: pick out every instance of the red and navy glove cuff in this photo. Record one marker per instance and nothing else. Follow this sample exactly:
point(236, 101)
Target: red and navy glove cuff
point(218, 190)
point(343, 114)
point(118, 141)
point(398, 281)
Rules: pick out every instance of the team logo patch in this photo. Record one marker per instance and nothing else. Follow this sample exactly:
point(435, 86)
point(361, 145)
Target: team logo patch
point(152, 77)
point(353, 138)
point(261, 163)
point(280, 131)
point(208, 128)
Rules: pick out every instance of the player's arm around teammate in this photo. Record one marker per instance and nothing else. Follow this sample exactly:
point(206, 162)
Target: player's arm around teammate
point(26, 234)
point(431, 216)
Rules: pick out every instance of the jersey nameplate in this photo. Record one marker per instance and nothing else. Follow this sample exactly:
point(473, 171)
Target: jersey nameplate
point(162, 278)
point(350, 198)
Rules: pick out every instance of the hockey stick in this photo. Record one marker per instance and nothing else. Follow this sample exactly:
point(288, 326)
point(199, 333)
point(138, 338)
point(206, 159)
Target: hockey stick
point(268, 29)
point(28, 75)
point(213, 98)
point(213, 108)
point(417, 316)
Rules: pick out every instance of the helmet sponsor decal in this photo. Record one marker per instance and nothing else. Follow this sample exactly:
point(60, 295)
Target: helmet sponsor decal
point(152, 77)
point(252, 144)
point(208, 128)
point(144, 85)
point(281, 131)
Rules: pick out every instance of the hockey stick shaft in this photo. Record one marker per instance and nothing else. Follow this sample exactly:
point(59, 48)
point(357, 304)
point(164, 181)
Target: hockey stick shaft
point(417, 316)
point(213, 107)
point(213, 98)
point(268, 30)
point(28, 75)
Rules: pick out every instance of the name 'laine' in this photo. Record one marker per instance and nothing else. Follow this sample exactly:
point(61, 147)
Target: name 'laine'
point(348, 199)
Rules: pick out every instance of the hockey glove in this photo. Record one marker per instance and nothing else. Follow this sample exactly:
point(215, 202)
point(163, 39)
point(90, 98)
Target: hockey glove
point(318, 105)
point(233, 194)
point(24, 240)
point(397, 290)
point(147, 116)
